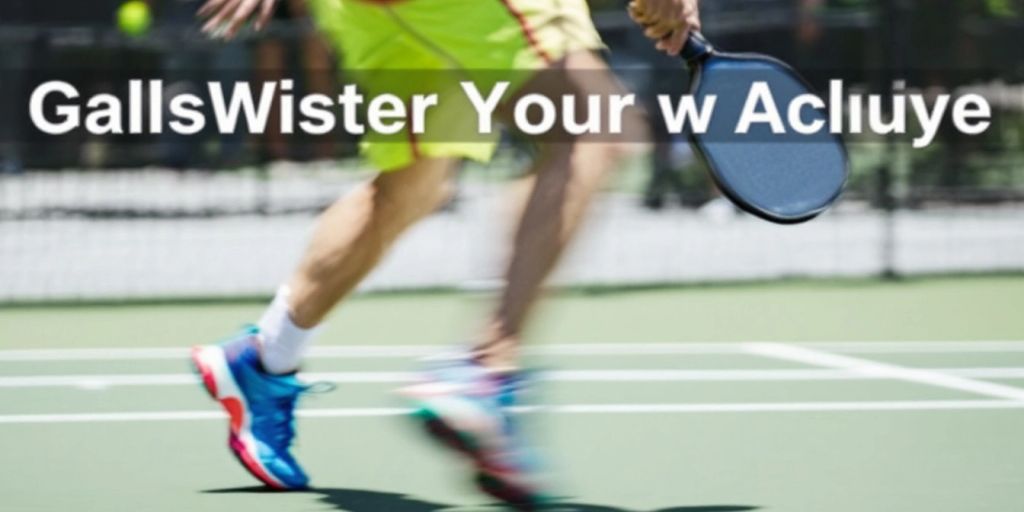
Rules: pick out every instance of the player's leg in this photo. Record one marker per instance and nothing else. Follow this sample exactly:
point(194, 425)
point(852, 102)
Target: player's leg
point(465, 401)
point(353, 234)
point(568, 173)
point(470, 413)
point(253, 374)
point(546, 48)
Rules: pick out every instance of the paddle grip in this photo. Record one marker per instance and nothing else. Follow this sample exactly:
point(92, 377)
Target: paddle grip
point(696, 48)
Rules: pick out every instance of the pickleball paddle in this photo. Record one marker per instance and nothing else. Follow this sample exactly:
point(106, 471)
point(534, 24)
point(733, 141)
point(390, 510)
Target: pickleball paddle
point(785, 177)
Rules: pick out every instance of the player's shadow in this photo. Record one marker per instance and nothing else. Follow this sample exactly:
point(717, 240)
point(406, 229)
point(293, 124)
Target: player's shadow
point(359, 500)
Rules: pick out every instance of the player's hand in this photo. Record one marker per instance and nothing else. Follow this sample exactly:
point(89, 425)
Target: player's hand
point(668, 22)
point(224, 18)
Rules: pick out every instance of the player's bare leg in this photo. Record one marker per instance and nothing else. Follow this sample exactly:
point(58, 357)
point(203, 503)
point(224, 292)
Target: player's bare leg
point(353, 234)
point(565, 180)
point(348, 241)
point(252, 375)
point(464, 401)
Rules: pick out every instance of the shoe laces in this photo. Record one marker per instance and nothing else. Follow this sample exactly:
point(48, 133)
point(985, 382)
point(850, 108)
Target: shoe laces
point(278, 422)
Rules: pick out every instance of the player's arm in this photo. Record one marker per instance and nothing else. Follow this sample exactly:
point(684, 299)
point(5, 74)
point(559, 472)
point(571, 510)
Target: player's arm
point(225, 17)
point(668, 22)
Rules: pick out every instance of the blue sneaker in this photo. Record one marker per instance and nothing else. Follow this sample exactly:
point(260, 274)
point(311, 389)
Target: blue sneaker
point(467, 410)
point(261, 407)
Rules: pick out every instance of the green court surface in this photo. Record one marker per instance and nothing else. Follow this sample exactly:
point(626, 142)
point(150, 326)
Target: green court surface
point(854, 396)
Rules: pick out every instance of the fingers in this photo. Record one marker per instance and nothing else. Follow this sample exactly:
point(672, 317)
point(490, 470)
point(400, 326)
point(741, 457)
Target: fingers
point(217, 13)
point(241, 15)
point(645, 13)
point(654, 27)
point(654, 9)
point(658, 32)
point(666, 12)
point(224, 18)
point(691, 17)
point(637, 13)
point(667, 22)
point(266, 11)
point(674, 43)
point(634, 12)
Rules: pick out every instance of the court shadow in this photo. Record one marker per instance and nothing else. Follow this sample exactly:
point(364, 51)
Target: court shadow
point(583, 507)
point(352, 500)
point(361, 500)
point(246, 489)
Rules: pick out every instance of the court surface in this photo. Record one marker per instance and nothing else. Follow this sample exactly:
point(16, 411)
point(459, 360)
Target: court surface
point(801, 397)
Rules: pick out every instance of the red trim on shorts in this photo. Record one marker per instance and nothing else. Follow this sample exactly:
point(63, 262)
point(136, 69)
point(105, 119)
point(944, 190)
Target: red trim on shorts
point(528, 33)
point(414, 142)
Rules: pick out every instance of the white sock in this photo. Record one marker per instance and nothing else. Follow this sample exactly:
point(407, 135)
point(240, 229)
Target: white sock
point(284, 343)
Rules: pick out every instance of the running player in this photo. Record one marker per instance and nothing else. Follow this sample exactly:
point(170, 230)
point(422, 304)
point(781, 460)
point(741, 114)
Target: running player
point(463, 401)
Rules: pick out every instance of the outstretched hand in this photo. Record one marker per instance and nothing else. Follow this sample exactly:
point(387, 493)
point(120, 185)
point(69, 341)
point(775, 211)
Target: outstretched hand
point(667, 22)
point(224, 18)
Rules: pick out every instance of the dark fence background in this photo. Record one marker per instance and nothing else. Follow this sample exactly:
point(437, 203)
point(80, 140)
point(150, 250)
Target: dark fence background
point(955, 206)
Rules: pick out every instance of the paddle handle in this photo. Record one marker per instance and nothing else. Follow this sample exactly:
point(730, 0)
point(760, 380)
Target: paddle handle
point(697, 48)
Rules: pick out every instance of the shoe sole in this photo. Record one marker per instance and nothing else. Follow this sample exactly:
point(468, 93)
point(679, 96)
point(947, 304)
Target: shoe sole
point(487, 478)
point(212, 366)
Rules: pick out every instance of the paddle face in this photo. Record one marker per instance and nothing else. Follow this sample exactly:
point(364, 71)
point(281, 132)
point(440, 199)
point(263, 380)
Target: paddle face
point(782, 176)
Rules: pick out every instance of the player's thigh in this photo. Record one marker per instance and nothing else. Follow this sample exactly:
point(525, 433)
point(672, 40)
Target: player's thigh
point(421, 186)
point(572, 83)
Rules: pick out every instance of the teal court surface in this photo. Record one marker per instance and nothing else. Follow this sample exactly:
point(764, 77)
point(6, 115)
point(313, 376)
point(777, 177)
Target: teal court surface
point(853, 396)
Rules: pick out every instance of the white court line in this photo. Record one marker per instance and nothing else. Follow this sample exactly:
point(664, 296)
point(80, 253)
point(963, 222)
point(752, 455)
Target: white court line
point(926, 405)
point(583, 349)
point(918, 347)
point(868, 367)
point(593, 376)
point(375, 352)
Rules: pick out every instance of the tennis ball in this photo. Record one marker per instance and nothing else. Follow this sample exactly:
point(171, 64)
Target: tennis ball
point(133, 18)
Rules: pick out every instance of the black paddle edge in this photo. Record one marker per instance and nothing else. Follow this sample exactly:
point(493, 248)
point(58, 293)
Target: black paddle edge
point(693, 61)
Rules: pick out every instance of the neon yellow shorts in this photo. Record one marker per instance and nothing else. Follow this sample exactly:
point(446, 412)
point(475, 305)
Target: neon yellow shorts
point(408, 47)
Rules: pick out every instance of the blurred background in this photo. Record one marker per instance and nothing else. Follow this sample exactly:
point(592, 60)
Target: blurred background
point(164, 217)
point(701, 360)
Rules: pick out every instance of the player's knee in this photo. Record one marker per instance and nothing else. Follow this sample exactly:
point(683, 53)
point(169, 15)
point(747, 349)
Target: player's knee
point(414, 191)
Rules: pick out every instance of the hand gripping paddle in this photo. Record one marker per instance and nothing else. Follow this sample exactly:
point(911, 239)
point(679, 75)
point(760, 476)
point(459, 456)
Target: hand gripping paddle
point(784, 177)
